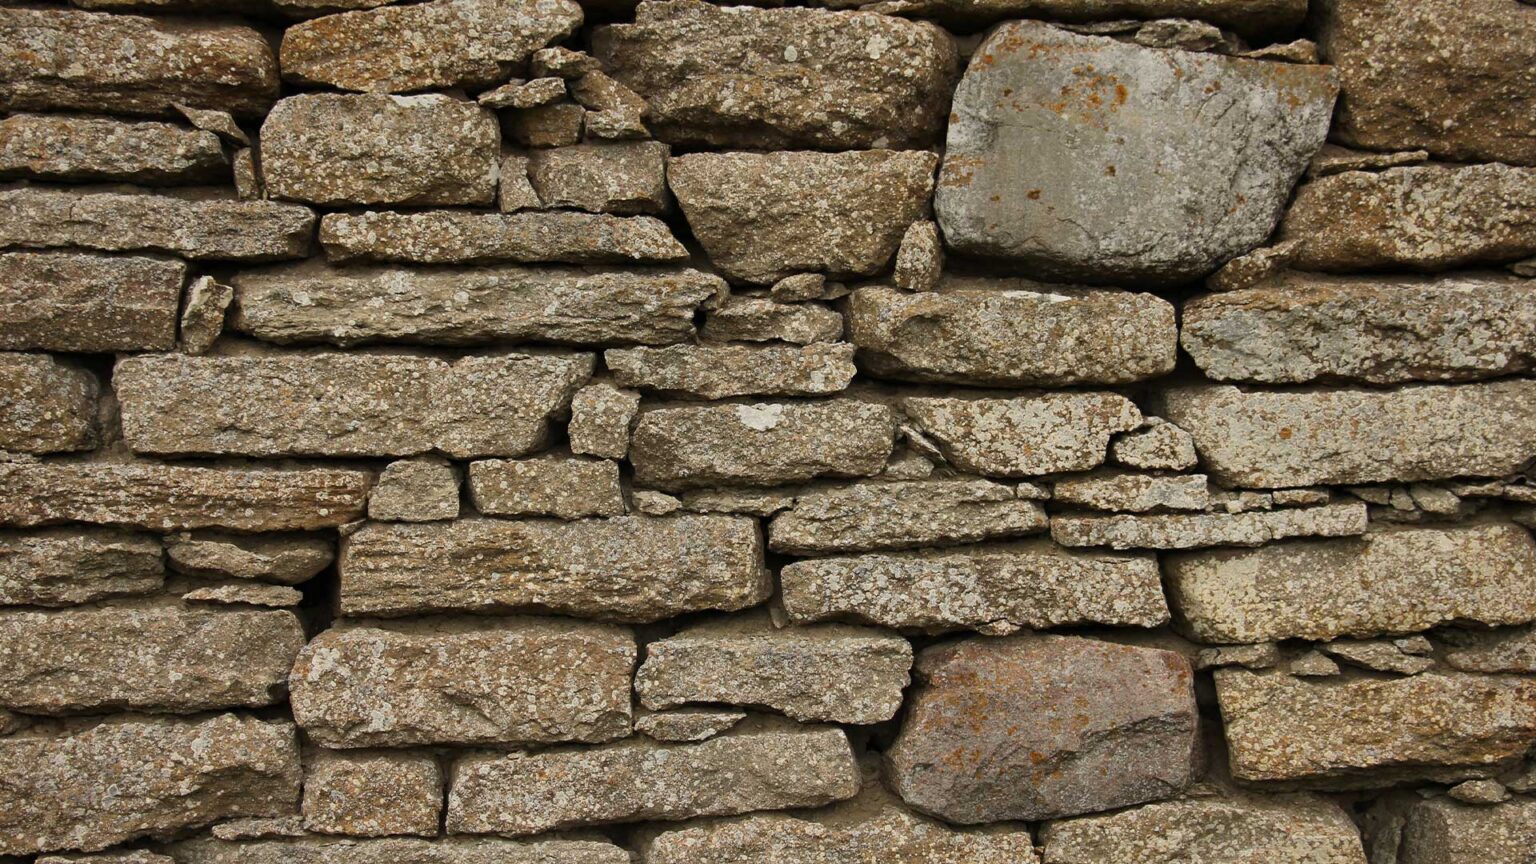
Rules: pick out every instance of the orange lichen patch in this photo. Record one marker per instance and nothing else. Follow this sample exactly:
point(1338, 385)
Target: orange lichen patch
point(1033, 195)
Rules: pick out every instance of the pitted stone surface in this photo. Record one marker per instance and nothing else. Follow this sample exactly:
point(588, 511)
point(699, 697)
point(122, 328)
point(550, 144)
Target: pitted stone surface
point(66, 566)
point(1441, 831)
point(372, 793)
point(457, 237)
point(283, 559)
point(1193, 530)
point(392, 850)
point(865, 517)
point(46, 405)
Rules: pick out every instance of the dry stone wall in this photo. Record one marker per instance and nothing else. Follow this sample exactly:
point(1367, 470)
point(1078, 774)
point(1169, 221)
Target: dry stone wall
point(920, 431)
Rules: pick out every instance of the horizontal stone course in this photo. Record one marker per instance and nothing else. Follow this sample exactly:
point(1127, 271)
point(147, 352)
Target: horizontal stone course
point(390, 850)
point(88, 302)
point(78, 149)
point(65, 566)
point(456, 237)
point(865, 517)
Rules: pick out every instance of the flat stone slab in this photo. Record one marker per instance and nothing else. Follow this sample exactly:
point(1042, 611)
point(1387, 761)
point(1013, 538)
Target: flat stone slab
point(1023, 436)
point(711, 371)
point(563, 488)
point(391, 850)
point(88, 302)
point(459, 237)
point(66, 566)
point(1130, 491)
point(284, 559)
point(866, 517)
point(757, 319)
point(1194, 530)
point(373, 793)
point(67, 148)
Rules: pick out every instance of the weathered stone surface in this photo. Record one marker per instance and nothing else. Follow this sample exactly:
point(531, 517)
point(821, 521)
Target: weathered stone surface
point(1275, 439)
point(191, 224)
point(1381, 330)
point(372, 794)
point(422, 46)
point(1135, 493)
point(465, 681)
point(286, 560)
point(416, 490)
point(341, 404)
point(563, 488)
point(1108, 726)
point(900, 515)
point(1023, 436)
point(202, 318)
point(760, 445)
point(155, 658)
point(89, 302)
point(753, 319)
point(1012, 333)
point(557, 125)
point(518, 93)
point(635, 568)
point(1346, 733)
point(1395, 581)
point(91, 787)
point(1099, 199)
point(1333, 159)
point(1193, 530)
point(65, 566)
point(721, 371)
point(1235, 827)
point(1447, 77)
point(834, 673)
point(452, 306)
point(137, 856)
point(752, 767)
point(337, 149)
point(686, 724)
point(1254, 267)
point(601, 415)
point(1159, 445)
point(65, 147)
point(1252, 18)
point(175, 497)
point(775, 79)
point(394, 850)
point(1381, 655)
point(247, 594)
point(919, 258)
point(458, 237)
point(993, 589)
point(1505, 650)
point(764, 216)
point(136, 64)
point(46, 405)
point(1441, 831)
point(1430, 217)
point(623, 177)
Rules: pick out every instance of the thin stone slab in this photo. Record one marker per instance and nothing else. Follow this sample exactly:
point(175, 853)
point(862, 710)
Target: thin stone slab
point(712, 371)
point(88, 302)
point(630, 568)
point(283, 559)
point(1128, 491)
point(1511, 649)
point(66, 566)
point(1194, 530)
point(1442, 831)
point(867, 517)
point(463, 237)
point(1023, 436)
point(1252, 18)
point(394, 850)
point(755, 319)
point(49, 405)
point(76, 149)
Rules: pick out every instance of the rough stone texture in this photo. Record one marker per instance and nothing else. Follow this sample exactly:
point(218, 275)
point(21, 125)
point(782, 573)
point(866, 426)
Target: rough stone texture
point(760, 445)
point(1135, 493)
point(1159, 445)
point(750, 768)
point(1276, 439)
point(1192, 530)
point(452, 306)
point(465, 681)
point(1023, 436)
point(563, 488)
point(1506, 650)
point(686, 724)
point(920, 258)
point(1099, 198)
point(753, 319)
point(1012, 333)
point(247, 594)
point(624, 177)
point(46, 405)
point(285, 560)
point(558, 125)
point(1440, 831)
point(393, 850)
point(993, 589)
point(372, 794)
point(635, 568)
point(66, 566)
point(1253, 18)
point(722, 371)
point(94, 786)
point(441, 43)
point(337, 149)
point(416, 490)
point(1253, 268)
point(77, 149)
point(1391, 581)
point(764, 216)
point(458, 237)
point(137, 856)
point(1108, 726)
point(202, 321)
point(86, 301)
point(601, 415)
point(899, 515)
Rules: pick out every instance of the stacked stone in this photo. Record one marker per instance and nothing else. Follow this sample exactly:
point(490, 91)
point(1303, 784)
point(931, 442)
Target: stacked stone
point(475, 431)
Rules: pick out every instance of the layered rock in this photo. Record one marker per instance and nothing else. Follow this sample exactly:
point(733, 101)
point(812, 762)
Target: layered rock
point(1023, 436)
point(903, 514)
point(77, 149)
point(65, 566)
point(1132, 492)
point(286, 560)
point(88, 302)
point(390, 850)
point(49, 405)
point(373, 793)
point(723, 371)
point(1193, 530)
point(458, 237)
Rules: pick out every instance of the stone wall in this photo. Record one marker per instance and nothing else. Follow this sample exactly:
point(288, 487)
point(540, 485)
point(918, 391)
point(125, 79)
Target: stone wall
point(994, 431)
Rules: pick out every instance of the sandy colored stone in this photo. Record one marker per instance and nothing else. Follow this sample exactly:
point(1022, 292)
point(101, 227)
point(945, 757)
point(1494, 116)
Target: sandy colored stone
point(518, 93)
point(601, 415)
point(345, 404)
point(458, 237)
point(283, 559)
point(1252, 18)
point(88, 302)
point(247, 178)
point(714, 371)
point(1099, 199)
point(1441, 831)
point(557, 125)
point(1107, 726)
point(1378, 655)
point(247, 594)
point(395, 850)
point(1255, 267)
point(260, 827)
point(764, 216)
point(215, 120)
point(1511, 649)
point(341, 149)
point(1193, 530)
point(92, 786)
point(47, 405)
point(416, 490)
point(686, 724)
point(904, 514)
point(919, 258)
point(424, 46)
point(801, 286)
point(514, 191)
point(632, 568)
point(624, 177)
point(1158, 445)
point(70, 148)
point(1132, 492)
point(1393, 581)
point(372, 793)
point(765, 444)
point(202, 318)
point(993, 589)
point(754, 319)
point(563, 488)
point(1334, 159)
point(1023, 436)
point(1280, 438)
point(1260, 656)
point(65, 566)
point(137, 856)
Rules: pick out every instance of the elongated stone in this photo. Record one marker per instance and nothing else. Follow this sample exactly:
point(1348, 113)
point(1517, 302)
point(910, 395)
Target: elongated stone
point(93, 786)
point(1276, 438)
point(393, 850)
point(1133, 492)
point(1012, 333)
point(563, 488)
point(76, 149)
point(285, 560)
point(1192, 530)
point(337, 404)
point(1442, 831)
point(993, 589)
point(754, 319)
point(1252, 18)
point(458, 237)
point(651, 568)
point(155, 658)
point(65, 566)
point(88, 302)
point(457, 681)
point(48, 406)
point(1024, 436)
point(453, 306)
point(723, 371)
point(898, 515)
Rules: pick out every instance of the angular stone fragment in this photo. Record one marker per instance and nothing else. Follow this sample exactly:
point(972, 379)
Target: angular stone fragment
point(1023, 436)
point(454, 306)
point(563, 488)
point(88, 302)
point(155, 658)
point(722, 371)
point(1099, 199)
point(336, 149)
point(624, 177)
point(1395, 581)
point(1261, 656)
point(1192, 530)
point(69, 60)
point(766, 444)
point(191, 224)
point(650, 568)
point(1012, 333)
point(1253, 268)
point(686, 724)
point(518, 93)
point(65, 566)
point(1333, 159)
point(458, 237)
point(202, 319)
point(424, 46)
point(1440, 831)
point(46, 405)
point(1107, 726)
point(764, 216)
point(75, 149)
point(601, 415)
point(753, 319)
point(1136, 493)
point(339, 404)
point(395, 850)
point(1160, 445)
point(993, 589)
point(1429, 217)
point(899, 515)
point(557, 125)
point(90, 787)
point(920, 258)
point(175, 497)
point(775, 79)
point(514, 191)
point(372, 794)
point(260, 828)
point(1362, 732)
point(286, 560)
point(247, 594)
point(465, 681)
point(801, 286)
point(753, 767)
point(1379, 655)
point(1275, 439)
point(416, 490)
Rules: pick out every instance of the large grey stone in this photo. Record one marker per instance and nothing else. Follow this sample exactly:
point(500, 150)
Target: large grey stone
point(397, 850)
point(902, 514)
point(88, 302)
point(46, 405)
point(459, 237)
point(65, 566)
point(1023, 436)
point(75, 149)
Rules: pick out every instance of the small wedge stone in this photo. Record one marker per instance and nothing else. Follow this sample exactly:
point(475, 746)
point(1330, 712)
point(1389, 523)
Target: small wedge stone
point(202, 321)
point(685, 725)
